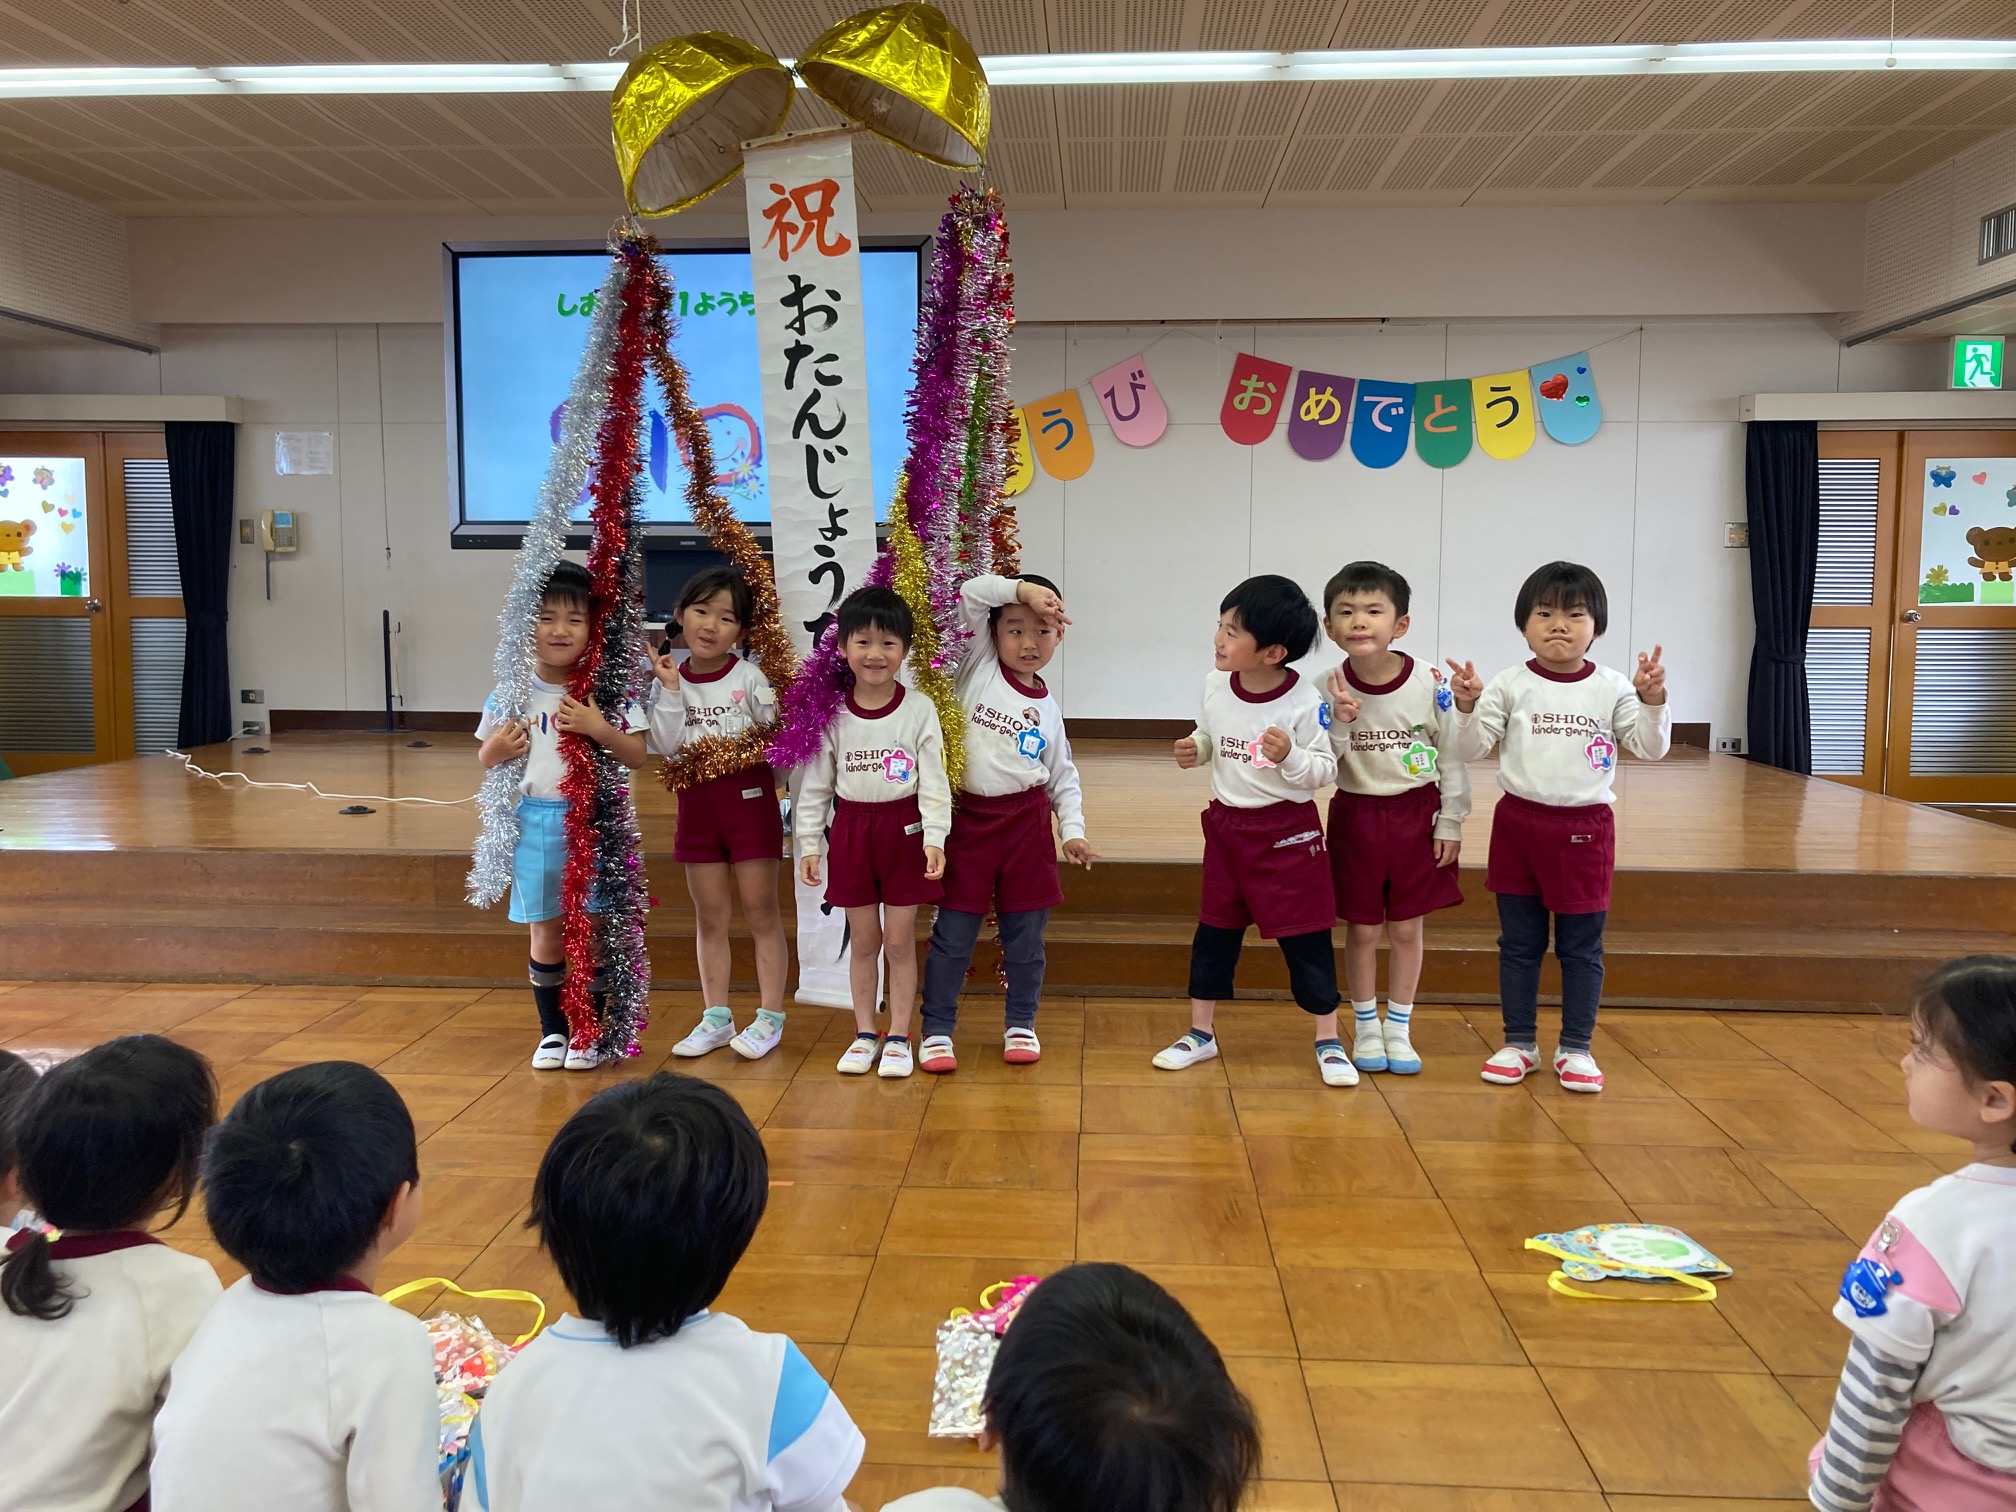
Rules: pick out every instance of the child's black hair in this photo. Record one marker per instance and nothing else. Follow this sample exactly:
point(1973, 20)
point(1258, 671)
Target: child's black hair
point(1108, 1398)
point(1368, 577)
point(568, 584)
point(1563, 585)
point(300, 1173)
point(1275, 612)
point(647, 1198)
point(106, 1140)
point(994, 614)
point(876, 609)
point(17, 1077)
point(1968, 1009)
point(704, 585)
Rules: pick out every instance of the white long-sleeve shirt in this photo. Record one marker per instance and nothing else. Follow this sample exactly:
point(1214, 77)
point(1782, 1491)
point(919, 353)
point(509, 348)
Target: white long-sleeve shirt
point(1403, 738)
point(322, 1402)
point(1015, 737)
point(877, 756)
point(545, 767)
point(1229, 733)
point(728, 701)
point(1558, 736)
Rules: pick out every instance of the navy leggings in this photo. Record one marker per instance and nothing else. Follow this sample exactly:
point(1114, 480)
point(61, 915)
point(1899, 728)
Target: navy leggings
point(1522, 942)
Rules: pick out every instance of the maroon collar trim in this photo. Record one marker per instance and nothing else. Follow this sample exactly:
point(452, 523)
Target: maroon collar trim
point(1239, 688)
point(882, 713)
point(687, 675)
point(1588, 670)
point(1399, 681)
point(83, 1246)
point(1038, 691)
point(340, 1284)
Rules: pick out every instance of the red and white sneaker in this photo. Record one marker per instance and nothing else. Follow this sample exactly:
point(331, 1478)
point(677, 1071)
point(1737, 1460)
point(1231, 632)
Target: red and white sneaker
point(935, 1055)
point(1510, 1066)
point(1020, 1047)
point(1578, 1071)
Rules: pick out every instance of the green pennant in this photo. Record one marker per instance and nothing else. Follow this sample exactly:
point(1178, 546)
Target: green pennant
point(1442, 426)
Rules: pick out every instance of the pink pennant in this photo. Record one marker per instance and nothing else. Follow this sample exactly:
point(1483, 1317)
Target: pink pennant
point(1132, 403)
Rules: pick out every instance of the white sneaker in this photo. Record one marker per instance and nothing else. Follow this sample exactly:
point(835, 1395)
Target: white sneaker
point(1187, 1052)
point(704, 1039)
point(1402, 1059)
point(1578, 1071)
point(859, 1058)
point(1336, 1066)
point(551, 1053)
point(583, 1060)
point(1368, 1047)
point(896, 1059)
point(1510, 1066)
point(937, 1055)
point(759, 1039)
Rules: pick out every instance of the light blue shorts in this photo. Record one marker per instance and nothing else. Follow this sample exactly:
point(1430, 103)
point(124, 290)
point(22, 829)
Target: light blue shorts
point(537, 863)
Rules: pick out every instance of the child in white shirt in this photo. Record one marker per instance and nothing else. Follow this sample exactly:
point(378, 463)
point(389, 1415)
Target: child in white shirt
point(1000, 856)
point(303, 1389)
point(1558, 721)
point(880, 779)
point(1396, 819)
point(730, 832)
point(645, 1201)
point(1265, 735)
point(1107, 1397)
point(96, 1314)
point(532, 735)
point(1925, 1420)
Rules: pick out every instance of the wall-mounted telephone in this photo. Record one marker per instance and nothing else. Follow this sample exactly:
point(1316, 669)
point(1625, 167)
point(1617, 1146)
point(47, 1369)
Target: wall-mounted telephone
point(278, 531)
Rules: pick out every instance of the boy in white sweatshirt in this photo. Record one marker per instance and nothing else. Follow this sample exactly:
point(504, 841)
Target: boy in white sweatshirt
point(1558, 720)
point(880, 779)
point(1265, 734)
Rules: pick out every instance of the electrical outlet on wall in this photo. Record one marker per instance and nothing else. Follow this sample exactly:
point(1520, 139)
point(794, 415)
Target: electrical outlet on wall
point(1730, 745)
point(251, 727)
point(252, 695)
point(244, 532)
point(1736, 535)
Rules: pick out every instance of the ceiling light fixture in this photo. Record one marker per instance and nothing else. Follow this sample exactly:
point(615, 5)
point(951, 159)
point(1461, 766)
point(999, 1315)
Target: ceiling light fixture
point(1067, 69)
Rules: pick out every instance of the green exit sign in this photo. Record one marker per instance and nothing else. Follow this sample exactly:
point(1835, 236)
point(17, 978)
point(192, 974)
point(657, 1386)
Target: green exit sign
point(1977, 362)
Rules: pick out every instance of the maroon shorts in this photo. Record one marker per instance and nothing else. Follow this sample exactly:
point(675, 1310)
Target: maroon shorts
point(875, 854)
point(1563, 856)
point(1000, 854)
point(729, 819)
point(1382, 856)
point(1265, 866)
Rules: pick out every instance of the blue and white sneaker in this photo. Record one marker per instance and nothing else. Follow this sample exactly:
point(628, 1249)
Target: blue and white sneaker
point(1334, 1065)
point(1401, 1057)
point(1368, 1048)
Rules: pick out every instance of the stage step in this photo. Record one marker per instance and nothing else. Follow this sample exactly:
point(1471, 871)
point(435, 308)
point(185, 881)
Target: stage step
point(1114, 954)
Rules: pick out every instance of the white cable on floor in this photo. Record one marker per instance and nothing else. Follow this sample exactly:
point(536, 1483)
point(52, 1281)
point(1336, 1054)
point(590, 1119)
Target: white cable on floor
point(311, 789)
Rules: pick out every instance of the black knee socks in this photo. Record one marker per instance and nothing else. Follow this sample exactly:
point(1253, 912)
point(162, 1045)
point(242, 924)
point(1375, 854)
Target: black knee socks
point(546, 983)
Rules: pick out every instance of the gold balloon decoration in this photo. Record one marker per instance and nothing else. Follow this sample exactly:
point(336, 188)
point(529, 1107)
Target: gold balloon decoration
point(682, 111)
point(904, 72)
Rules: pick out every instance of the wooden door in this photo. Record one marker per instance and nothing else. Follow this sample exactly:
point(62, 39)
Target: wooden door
point(1953, 659)
point(56, 650)
point(145, 601)
point(1848, 642)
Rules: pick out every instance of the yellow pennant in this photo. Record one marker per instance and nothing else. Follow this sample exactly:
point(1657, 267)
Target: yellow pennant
point(1504, 405)
point(1021, 464)
point(1059, 435)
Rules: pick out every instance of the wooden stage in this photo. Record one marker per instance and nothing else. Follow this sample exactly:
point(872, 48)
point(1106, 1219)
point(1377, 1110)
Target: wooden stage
point(1736, 883)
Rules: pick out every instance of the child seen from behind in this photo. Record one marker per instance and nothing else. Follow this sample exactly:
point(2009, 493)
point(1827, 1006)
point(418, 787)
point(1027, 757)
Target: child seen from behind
point(16, 1077)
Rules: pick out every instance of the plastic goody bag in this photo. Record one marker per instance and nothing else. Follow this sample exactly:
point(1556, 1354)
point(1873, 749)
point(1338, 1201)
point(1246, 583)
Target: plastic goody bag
point(967, 1344)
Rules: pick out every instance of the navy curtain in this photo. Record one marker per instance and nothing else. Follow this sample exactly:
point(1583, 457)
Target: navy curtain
point(202, 468)
point(1781, 481)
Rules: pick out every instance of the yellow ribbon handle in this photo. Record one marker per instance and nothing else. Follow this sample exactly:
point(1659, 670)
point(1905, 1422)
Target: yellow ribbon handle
point(1699, 1288)
point(499, 1294)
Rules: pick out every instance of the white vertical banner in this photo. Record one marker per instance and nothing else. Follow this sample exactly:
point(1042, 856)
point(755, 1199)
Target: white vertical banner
point(805, 244)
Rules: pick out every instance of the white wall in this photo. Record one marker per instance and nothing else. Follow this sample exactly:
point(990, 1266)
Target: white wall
point(1144, 545)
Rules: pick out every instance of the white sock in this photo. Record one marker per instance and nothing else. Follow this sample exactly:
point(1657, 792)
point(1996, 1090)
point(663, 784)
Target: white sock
point(1366, 1016)
point(1398, 1018)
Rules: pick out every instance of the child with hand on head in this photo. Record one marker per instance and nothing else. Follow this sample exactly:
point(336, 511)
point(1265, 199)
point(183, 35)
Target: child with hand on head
point(16, 1078)
point(562, 640)
point(96, 1313)
point(1925, 1420)
point(303, 1389)
point(879, 778)
point(1000, 856)
point(729, 833)
point(1396, 819)
point(645, 1201)
point(1265, 735)
point(1558, 721)
point(1107, 1397)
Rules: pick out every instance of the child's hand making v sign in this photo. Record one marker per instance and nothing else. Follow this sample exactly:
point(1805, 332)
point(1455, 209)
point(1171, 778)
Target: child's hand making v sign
point(1650, 678)
point(1344, 704)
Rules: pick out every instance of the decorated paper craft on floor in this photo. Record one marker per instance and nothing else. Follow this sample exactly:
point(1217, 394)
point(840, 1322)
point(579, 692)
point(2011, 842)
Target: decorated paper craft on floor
point(1021, 458)
point(1566, 399)
point(1133, 405)
point(1599, 1252)
point(1383, 423)
point(1442, 421)
point(1319, 415)
point(1057, 430)
point(1504, 413)
point(1253, 398)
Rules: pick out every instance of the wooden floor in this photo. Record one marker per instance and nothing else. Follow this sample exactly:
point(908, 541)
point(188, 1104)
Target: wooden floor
point(1689, 812)
point(1355, 1253)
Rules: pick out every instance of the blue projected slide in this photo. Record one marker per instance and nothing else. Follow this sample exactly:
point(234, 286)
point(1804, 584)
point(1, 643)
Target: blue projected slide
point(521, 321)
